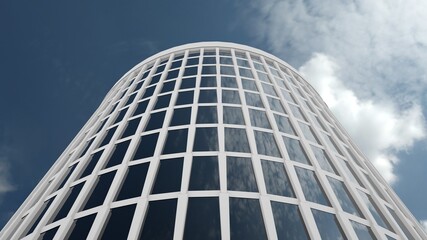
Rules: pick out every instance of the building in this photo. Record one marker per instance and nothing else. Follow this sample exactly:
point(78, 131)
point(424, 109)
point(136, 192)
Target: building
point(212, 140)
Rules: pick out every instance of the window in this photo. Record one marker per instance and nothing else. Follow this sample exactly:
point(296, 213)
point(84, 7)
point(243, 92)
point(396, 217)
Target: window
point(283, 124)
point(275, 105)
point(131, 127)
point(207, 114)
point(228, 82)
point(308, 132)
point(266, 145)
point(350, 172)
point(181, 116)
point(188, 83)
point(176, 141)
point(122, 113)
point(118, 224)
point(375, 211)
point(185, 98)
point(134, 181)
point(253, 99)
point(229, 96)
point(206, 139)
point(168, 177)
point(208, 81)
point(399, 222)
point(240, 175)
point(226, 60)
point(172, 74)
point(100, 190)
point(168, 86)
point(73, 193)
point(246, 219)
point(193, 61)
point(297, 112)
point(295, 151)
point(118, 154)
point(146, 147)
point(40, 215)
point(362, 231)
point(81, 227)
point(49, 234)
point(142, 106)
point(323, 159)
point(108, 136)
point(202, 221)
point(208, 96)
point(204, 173)
point(233, 115)
point(159, 220)
point(328, 225)
point(162, 101)
point(276, 179)
point(288, 221)
point(156, 121)
point(149, 91)
point(88, 144)
point(236, 140)
point(249, 85)
point(190, 71)
point(209, 70)
point(70, 171)
point(310, 185)
point(331, 143)
point(226, 70)
point(345, 199)
point(209, 60)
point(259, 119)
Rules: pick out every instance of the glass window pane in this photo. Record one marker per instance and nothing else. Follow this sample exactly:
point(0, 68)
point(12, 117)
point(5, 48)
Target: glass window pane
point(246, 220)
point(73, 193)
point(269, 89)
point(375, 211)
point(81, 227)
point(236, 140)
point(188, 83)
point(168, 86)
point(311, 187)
point(207, 114)
point(120, 116)
point(146, 146)
point(185, 98)
point(208, 96)
point(246, 73)
point(142, 106)
point(288, 221)
point(328, 225)
point(350, 172)
point(181, 116)
point(70, 170)
point(259, 119)
point(209, 60)
point(49, 234)
point(172, 74)
point(118, 224)
point(295, 151)
point(226, 60)
point(176, 141)
point(345, 199)
point(233, 115)
point(331, 143)
point(275, 105)
point(206, 139)
point(240, 175)
point(118, 154)
point(230, 96)
point(226, 70)
point(134, 181)
point(308, 133)
point(209, 70)
point(108, 136)
point(228, 82)
point(100, 191)
point(297, 112)
point(159, 221)
point(276, 179)
point(401, 225)
point(156, 121)
point(190, 71)
point(208, 81)
point(284, 125)
point(168, 177)
point(253, 99)
point(323, 159)
point(131, 127)
point(162, 101)
point(266, 145)
point(249, 85)
point(362, 231)
point(40, 215)
point(202, 221)
point(204, 173)
point(149, 91)
point(193, 61)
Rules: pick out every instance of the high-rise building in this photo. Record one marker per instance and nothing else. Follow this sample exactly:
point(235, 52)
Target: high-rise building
point(212, 140)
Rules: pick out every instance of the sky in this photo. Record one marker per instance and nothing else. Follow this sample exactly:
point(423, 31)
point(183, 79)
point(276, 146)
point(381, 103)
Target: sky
point(366, 58)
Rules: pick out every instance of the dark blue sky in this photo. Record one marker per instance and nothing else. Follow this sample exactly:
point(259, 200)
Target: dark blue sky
point(59, 59)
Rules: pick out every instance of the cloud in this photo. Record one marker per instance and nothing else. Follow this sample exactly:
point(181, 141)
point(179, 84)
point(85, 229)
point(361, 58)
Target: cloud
point(379, 128)
point(424, 225)
point(5, 185)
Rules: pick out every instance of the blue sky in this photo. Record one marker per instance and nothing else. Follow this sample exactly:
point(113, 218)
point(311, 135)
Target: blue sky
point(59, 59)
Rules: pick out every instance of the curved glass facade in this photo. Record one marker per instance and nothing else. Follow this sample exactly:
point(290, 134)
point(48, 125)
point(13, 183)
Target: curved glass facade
point(212, 141)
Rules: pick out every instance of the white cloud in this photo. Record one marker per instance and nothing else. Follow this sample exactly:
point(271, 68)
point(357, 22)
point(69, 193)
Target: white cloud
point(378, 127)
point(5, 185)
point(424, 224)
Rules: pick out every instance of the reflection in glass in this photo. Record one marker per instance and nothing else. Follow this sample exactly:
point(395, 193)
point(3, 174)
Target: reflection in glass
point(207, 114)
point(276, 179)
point(185, 98)
point(236, 140)
point(259, 119)
point(295, 151)
point(156, 121)
point(328, 225)
point(275, 105)
point(266, 145)
point(249, 85)
point(202, 221)
point(375, 211)
point(159, 220)
point(40, 215)
point(253, 99)
point(308, 132)
point(401, 224)
point(131, 127)
point(97, 197)
point(230, 96)
point(146, 146)
point(269, 89)
point(118, 154)
point(208, 96)
point(233, 115)
point(362, 231)
point(246, 220)
point(134, 181)
point(350, 172)
point(228, 82)
point(240, 175)
point(142, 106)
point(49, 234)
point(297, 112)
point(118, 224)
point(346, 201)
point(323, 159)
point(176, 141)
point(181, 116)
point(206, 139)
point(204, 173)
point(108, 136)
point(188, 83)
point(284, 125)
point(162, 101)
point(81, 227)
point(310, 185)
point(208, 81)
point(168, 178)
point(288, 221)
point(226, 70)
point(331, 143)
point(73, 193)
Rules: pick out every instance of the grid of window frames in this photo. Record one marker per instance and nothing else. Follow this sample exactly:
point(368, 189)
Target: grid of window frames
point(212, 143)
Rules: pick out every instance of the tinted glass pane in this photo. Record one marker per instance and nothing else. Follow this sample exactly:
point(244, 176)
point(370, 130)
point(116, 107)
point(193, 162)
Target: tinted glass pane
point(172, 74)
point(100, 191)
point(236, 140)
point(119, 222)
point(156, 121)
point(328, 225)
point(108, 136)
point(297, 112)
point(134, 181)
point(48, 235)
point(73, 193)
point(240, 175)
point(185, 98)
point(118, 154)
point(259, 119)
point(181, 116)
point(204, 173)
point(70, 170)
point(246, 219)
point(275, 105)
point(168, 177)
point(188, 83)
point(226, 70)
point(122, 113)
point(81, 227)
point(209, 60)
point(266, 144)
point(131, 127)
point(168, 86)
point(276, 179)
point(323, 159)
point(208, 96)
point(268, 89)
point(146, 146)
point(40, 215)
point(308, 132)
point(192, 61)
point(206, 139)
point(142, 106)
point(176, 141)
point(225, 60)
point(233, 115)
point(160, 220)
point(149, 91)
point(245, 72)
point(207, 114)
point(88, 144)
point(253, 99)
point(209, 70)
point(249, 85)
point(346, 201)
point(202, 221)
point(362, 231)
point(190, 71)
point(176, 64)
point(230, 96)
point(375, 211)
point(401, 225)
point(295, 151)
point(208, 81)
point(162, 101)
point(350, 172)
point(284, 125)
point(331, 143)
point(288, 221)
point(310, 186)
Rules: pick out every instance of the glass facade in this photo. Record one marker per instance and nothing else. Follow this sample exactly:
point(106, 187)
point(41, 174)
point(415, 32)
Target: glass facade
point(212, 141)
